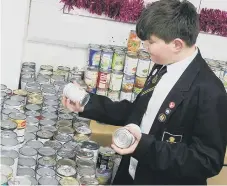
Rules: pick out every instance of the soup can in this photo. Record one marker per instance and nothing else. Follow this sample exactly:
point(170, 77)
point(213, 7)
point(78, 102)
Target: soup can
point(103, 79)
point(46, 161)
point(65, 171)
point(27, 152)
point(91, 75)
point(50, 116)
point(34, 144)
point(123, 138)
point(105, 158)
point(19, 180)
point(131, 62)
point(46, 151)
point(140, 82)
point(56, 145)
point(71, 145)
point(48, 181)
point(27, 163)
point(143, 64)
point(125, 96)
point(116, 80)
point(44, 172)
point(44, 136)
point(106, 59)
point(128, 83)
point(118, 60)
point(33, 107)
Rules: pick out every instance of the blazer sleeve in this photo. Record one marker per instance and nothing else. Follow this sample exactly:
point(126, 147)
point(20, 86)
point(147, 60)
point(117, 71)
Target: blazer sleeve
point(103, 109)
point(204, 157)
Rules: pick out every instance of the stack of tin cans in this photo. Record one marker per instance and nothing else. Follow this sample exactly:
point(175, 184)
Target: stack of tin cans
point(115, 72)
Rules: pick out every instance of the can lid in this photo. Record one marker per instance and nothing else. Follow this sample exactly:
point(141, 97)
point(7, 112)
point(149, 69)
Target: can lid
point(85, 163)
point(10, 153)
point(91, 145)
point(63, 123)
point(66, 130)
point(8, 134)
point(66, 116)
point(66, 153)
point(33, 90)
point(50, 109)
point(71, 145)
point(66, 170)
point(88, 181)
point(47, 122)
point(17, 116)
point(47, 161)
point(46, 151)
point(84, 153)
point(49, 90)
point(49, 128)
point(32, 113)
point(48, 181)
point(48, 115)
point(66, 161)
point(44, 134)
point(6, 170)
point(45, 171)
point(69, 181)
point(46, 67)
point(92, 68)
point(35, 144)
point(33, 107)
point(25, 172)
point(62, 137)
point(83, 130)
point(6, 161)
point(33, 84)
point(28, 162)
point(51, 97)
point(107, 151)
point(29, 136)
point(122, 138)
point(27, 151)
point(86, 171)
point(31, 128)
point(20, 92)
point(32, 180)
point(64, 68)
point(12, 102)
point(56, 145)
point(7, 111)
point(19, 180)
point(31, 120)
point(51, 103)
point(8, 124)
point(3, 179)
point(9, 142)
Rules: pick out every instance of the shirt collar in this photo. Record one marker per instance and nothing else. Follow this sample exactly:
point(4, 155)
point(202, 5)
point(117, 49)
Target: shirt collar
point(183, 64)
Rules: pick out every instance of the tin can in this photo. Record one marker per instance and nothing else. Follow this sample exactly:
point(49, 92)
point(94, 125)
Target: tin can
point(65, 153)
point(94, 55)
point(64, 123)
point(33, 181)
point(33, 107)
point(103, 79)
point(28, 75)
point(68, 117)
point(9, 144)
point(118, 60)
point(49, 104)
point(48, 181)
point(6, 171)
point(50, 98)
point(20, 92)
point(131, 62)
point(3, 180)
point(48, 92)
point(12, 104)
point(46, 151)
point(27, 69)
point(68, 181)
point(71, 145)
point(50, 116)
point(66, 130)
point(102, 92)
point(133, 41)
point(76, 94)
point(34, 144)
point(27, 163)
point(47, 122)
point(43, 79)
point(19, 180)
point(65, 171)
point(35, 98)
point(29, 136)
point(56, 145)
point(6, 112)
point(84, 154)
point(104, 176)
point(47, 86)
point(46, 67)
point(88, 181)
point(106, 59)
point(3, 87)
point(34, 90)
point(32, 121)
point(58, 85)
point(128, 83)
point(31, 129)
point(32, 85)
point(116, 80)
point(44, 136)
point(8, 125)
point(33, 114)
point(140, 82)
point(105, 158)
point(143, 64)
point(125, 96)
point(44, 172)
point(29, 64)
point(20, 99)
point(56, 78)
point(113, 95)
point(65, 161)
point(27, 152)
point(62, 138)
point(123, 138)
point(49, 128)
point(8, 134)
point(24, 81)
point(82, 120)
point(26, 172)
point(83, 130)
point(46, 161)
point(7, 161)
point(93, 146)
point(117, 161)
point(91, 76)
point(85, 172)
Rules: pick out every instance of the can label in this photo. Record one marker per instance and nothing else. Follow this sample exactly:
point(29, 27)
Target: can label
point(143, 68)
point(140, 81)
point(128, 83)
point(104, 162)
point(21, 124)
point(130, 65)
point(94, 57)
point(102, 92)
point(103, 80)
point(116, 81)
point(106, 60)
point(126, 96)
point(91, 90)
point(91, 78)
point(118, 61)
point(114, 95)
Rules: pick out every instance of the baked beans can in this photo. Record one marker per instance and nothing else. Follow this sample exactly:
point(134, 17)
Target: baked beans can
point(116, 80)
point(113, 95)
point(118, 60)
point(140, 82)
point(143, 64)
point(94, 55)
point(131, 62)
point(35, 144)
point(106, 59)
point(102, 91)
point(27, 152)
point(103, 79)
point(44, 136)
point(128, 83)
point(44, 172)
point(47, 180)
point(91, 75)
point(105, 158)
point(125, 96)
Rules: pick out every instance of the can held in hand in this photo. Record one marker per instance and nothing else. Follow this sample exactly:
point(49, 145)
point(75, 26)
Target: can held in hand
point(123, 138)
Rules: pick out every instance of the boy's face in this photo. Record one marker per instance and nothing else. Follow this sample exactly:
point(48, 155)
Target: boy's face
point(161, 53)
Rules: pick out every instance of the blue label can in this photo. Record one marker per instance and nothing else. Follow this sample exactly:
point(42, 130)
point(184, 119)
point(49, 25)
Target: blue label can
point(94, 55)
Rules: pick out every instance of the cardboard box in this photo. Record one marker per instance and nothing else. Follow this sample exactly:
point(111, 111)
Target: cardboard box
point(225, 161)
point(102, 133)
point(220, 179)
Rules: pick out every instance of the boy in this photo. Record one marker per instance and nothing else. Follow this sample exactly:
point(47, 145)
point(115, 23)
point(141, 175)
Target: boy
point(181, 110)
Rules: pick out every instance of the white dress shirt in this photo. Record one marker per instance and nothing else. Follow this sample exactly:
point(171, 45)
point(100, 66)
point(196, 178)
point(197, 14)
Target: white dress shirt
point(162, 89)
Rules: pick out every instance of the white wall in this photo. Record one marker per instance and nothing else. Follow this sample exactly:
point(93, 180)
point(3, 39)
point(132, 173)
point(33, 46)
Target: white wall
point(14, 14)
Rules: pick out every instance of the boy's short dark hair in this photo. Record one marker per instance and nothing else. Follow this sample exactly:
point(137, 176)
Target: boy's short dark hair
point(168, 20)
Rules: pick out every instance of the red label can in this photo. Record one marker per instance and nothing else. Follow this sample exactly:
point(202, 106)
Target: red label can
point(103, 79)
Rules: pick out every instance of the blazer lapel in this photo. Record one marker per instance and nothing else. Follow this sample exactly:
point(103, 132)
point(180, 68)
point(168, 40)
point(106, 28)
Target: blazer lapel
point(176, 95)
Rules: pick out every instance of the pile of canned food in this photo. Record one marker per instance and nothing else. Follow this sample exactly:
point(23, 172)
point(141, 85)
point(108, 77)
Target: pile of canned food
point(115, 72)
point(42, 143)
